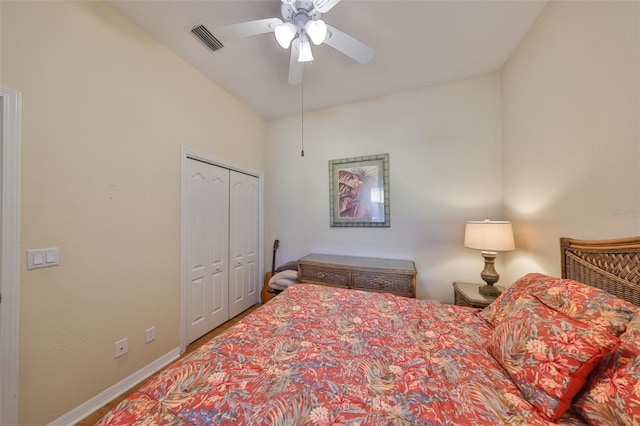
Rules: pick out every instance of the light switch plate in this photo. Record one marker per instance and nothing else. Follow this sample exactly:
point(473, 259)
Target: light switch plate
point(43, 258)
point(37, 258)
point(51, 257)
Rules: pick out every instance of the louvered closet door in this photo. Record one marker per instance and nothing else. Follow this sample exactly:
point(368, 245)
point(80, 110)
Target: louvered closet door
point(207, 247)
point(243, 242)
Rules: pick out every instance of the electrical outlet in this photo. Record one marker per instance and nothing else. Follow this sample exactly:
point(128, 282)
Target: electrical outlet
point(150, 335)
point(121, 347)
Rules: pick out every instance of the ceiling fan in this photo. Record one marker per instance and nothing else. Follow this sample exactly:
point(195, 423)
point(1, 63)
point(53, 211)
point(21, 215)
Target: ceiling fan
point(301, 25)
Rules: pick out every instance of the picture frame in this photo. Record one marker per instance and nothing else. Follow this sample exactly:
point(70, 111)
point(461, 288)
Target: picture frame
point(359, 192)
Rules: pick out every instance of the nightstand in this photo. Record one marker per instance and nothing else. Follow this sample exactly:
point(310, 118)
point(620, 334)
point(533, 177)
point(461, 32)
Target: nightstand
point(468, 294)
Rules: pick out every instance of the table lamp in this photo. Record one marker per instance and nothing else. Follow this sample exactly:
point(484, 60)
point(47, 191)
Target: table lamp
point(491, 237)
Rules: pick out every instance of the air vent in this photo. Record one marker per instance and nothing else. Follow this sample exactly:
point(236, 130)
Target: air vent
point(207, 38)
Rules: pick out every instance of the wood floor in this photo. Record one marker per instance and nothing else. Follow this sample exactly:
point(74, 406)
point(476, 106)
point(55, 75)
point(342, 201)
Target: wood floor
point(97, 415)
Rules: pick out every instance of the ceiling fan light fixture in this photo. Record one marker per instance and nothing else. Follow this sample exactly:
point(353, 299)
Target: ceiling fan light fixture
point(317, 31)
point(285, 34)
point(304, 47)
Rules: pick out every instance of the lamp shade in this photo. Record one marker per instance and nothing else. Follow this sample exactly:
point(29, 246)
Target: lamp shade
point(317, 31)
point(285, 34)
point(305, 54)
point(488, 235)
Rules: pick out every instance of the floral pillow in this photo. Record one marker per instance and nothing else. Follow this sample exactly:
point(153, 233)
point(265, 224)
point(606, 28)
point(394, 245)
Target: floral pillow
point(612, 394)
point(548, 354)
point(589, 304)
point(632, 335)
point(508, 301)
point(577, 300)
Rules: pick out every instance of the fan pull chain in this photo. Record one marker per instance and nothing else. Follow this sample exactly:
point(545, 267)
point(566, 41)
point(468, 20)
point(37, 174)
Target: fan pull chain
point(302, 114)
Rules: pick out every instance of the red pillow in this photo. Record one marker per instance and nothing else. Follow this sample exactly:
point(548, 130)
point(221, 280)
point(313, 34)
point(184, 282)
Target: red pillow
point(533, 283)
point(579, 301)
point(590, 305)
point(548, 354)
point(612, 394)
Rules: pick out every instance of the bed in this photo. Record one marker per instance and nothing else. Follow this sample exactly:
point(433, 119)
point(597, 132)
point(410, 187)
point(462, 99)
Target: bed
point(547, 351)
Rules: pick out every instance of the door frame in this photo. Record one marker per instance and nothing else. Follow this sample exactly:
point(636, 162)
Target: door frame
point(10, 260)
point(185, 154)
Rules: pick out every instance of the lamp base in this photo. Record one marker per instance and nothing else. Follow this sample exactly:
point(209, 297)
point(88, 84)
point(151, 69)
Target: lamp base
point(489, 275)
point(490, 290)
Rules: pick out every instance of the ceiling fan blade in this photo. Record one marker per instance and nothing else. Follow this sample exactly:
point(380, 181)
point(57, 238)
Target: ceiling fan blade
point(296, 69)
point(325, 5)
point(246, 29)
point(348, 45)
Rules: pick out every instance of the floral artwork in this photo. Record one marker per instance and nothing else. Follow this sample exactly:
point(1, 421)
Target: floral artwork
point(360, 191)
point(353, 187)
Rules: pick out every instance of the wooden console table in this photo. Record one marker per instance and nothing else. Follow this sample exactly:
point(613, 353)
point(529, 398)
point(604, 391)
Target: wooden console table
point(361, 273)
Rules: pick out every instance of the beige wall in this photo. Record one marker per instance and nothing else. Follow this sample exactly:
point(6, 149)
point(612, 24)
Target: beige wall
point(105, 112)
point(570, 116)
point(564, 146)
point(445, 166)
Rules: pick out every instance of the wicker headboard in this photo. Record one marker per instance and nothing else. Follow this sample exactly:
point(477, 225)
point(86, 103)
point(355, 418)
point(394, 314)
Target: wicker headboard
point(612, 265)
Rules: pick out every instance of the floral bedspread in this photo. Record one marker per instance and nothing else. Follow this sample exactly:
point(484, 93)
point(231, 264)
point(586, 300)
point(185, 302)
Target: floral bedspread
point(321, 355)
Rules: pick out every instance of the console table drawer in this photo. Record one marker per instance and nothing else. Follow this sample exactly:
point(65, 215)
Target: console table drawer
point(315, 274)
point(383, 282)
point(362, 273)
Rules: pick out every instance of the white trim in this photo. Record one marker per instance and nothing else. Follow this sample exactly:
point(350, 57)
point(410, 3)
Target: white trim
point(103, 398)
point(186, 153)
point(10, 262)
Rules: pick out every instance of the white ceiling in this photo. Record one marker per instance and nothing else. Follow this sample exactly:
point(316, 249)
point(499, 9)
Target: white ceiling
point(417, 43)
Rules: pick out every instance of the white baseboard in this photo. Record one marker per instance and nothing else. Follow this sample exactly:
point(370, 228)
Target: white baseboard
point(100, 400)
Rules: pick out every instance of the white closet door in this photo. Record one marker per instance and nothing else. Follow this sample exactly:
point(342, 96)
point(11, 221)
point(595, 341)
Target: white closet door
point(243, 242)
point(207, 247)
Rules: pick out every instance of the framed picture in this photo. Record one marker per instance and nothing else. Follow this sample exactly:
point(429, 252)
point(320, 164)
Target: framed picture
point(359, 191)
